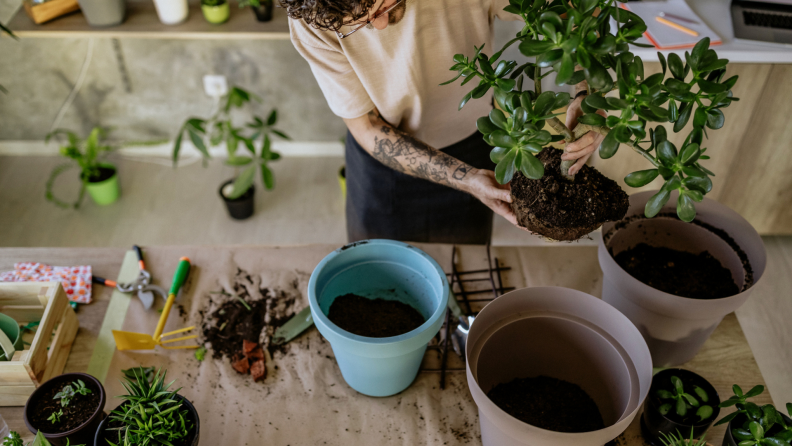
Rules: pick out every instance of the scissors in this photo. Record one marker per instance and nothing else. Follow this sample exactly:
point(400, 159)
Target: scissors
point(142, 284)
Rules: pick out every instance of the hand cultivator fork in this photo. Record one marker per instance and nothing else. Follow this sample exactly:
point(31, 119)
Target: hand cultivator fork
point(126, 340)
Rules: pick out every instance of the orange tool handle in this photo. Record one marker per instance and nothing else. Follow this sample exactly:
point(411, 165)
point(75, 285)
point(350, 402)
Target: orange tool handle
point(139, 253)
point(103, 281)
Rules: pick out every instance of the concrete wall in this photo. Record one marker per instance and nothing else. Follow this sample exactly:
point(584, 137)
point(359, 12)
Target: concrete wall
point(166, 85)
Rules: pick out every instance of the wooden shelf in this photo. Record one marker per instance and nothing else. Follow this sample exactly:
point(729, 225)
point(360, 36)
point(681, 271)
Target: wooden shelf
point(142, 23)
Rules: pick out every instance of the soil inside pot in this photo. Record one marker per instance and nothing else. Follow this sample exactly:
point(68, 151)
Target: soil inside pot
point(688, 384)
point(105, 173)
point(562, 210)
point(79, 410)
point(233, 324)
point(548, 403)
point(374, 318)
point(697, 276)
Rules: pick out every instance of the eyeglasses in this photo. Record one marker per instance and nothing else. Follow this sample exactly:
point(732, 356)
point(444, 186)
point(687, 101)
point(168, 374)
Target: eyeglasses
point(368, 22)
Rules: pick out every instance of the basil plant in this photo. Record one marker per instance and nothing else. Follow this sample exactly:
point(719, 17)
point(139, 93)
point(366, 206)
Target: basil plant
point(575, 40)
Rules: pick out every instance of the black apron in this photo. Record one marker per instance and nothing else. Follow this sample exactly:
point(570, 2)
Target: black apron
point(384, 203)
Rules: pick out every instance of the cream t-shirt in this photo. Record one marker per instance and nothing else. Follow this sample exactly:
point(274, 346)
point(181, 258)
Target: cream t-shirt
point(398, 70)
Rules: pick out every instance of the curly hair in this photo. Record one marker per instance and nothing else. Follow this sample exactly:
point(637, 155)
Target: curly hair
point(327, 14)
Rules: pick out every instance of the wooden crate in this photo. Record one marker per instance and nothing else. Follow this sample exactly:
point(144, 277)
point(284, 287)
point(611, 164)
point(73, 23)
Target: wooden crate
point(46, 356)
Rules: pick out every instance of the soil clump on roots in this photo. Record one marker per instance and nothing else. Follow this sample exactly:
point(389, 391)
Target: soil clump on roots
point(559, 209)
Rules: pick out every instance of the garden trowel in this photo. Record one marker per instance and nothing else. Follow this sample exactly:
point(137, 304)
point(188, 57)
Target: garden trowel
point(126, 340)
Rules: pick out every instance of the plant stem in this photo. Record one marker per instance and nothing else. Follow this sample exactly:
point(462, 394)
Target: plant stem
point(538, 81)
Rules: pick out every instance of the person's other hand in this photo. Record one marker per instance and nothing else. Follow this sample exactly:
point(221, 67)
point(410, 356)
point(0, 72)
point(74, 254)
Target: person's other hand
point(581, 149)
point(482, 185)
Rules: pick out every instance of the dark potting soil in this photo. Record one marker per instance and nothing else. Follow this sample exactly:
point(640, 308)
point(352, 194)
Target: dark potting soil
point(548, 403)
point(79, 410)
point(697, 276)
point(688, 384)
point(233, 324)
point(105, 173)
point(564, 210)
point(374, 318)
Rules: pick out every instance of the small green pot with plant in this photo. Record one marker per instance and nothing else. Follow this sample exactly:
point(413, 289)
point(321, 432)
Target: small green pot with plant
point(754, 425)
point(66, 409)
point(151, 414)
point(261, 8)
point(216, 11)
point(238, 193)
point(97, 177)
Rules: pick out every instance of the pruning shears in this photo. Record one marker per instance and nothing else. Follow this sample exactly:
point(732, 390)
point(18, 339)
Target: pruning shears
point(142, 284)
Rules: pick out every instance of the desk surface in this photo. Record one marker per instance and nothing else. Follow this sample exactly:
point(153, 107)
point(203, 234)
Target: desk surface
point(725, 359)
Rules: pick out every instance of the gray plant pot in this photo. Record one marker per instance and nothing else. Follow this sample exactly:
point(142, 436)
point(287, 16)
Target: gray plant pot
point(103, 12)
point(676, 327)
point(564, 334)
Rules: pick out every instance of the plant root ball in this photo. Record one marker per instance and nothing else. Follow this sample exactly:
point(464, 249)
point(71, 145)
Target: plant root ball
point(558, 209)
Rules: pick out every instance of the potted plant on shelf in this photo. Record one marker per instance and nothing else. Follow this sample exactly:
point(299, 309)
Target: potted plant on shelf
point(216, 11)
point(103, 12)
point(172, 12)
point(752, 425)
point(237, 193)
point(99, 178)
point(679, 402)
point(546, 198)
point(66, 409)
point(261, 8)
point(150, 415)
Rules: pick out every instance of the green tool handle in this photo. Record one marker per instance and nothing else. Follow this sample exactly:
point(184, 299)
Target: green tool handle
point(182, 271)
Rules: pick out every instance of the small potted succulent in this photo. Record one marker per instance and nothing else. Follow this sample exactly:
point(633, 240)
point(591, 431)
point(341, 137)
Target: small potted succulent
point(99, 178)
point(261, 8)
point(237, 193)
point(14, 439)
point(677, 439)
point(66, 409)
point(216, 11)
point(151, 415)
point(679, 401)
point(754, 425)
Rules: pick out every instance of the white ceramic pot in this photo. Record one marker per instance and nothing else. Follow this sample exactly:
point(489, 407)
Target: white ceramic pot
point(676, 327)
point(564, 334)
point(172, 12)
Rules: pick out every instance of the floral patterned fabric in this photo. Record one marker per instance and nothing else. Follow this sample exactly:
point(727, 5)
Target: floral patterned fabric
point(76, 280)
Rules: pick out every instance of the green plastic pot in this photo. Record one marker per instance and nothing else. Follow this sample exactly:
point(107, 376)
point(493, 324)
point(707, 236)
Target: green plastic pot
point(216, 14)
point(10, 332)
point(107, 191)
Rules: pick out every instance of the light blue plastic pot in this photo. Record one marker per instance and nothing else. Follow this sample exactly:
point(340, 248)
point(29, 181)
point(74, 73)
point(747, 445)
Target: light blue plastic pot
point(389, 270)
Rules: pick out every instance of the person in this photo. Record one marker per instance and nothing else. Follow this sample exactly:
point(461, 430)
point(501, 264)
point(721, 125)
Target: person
point(416, 168)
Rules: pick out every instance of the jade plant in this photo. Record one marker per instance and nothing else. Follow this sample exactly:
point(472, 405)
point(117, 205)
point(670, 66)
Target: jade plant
point(219, 128)
point(566, 35)
point(150, 415)
point(682, 402)
point(762, 425)
point(86, 154)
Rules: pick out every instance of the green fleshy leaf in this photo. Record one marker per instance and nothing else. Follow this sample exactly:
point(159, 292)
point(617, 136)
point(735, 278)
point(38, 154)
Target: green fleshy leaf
point(504, 171)
point(609, 146)
point(656, 203)
point(685, 210)
point(641, 177)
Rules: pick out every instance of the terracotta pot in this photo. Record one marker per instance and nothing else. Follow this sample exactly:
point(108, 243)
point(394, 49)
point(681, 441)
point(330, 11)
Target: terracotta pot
point(82, 434)
point(99, 438)
point(564, 334)
point(654, 424)
point(676, 327)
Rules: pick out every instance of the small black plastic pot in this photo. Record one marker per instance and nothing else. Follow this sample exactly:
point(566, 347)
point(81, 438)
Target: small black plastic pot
point(100, 438)
point(737, 422)
point(82, 434)
point(264, 11)
point(242, 207)
point(654, 424)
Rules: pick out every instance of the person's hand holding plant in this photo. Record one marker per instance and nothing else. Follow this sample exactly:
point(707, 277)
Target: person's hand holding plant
point(582, 148)
point(483, 185)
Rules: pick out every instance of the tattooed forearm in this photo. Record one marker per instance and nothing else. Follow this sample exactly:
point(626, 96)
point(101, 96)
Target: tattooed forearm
point(403, 153)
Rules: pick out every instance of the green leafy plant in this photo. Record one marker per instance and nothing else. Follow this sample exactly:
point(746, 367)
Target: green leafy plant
point(251, 3)
point(150, 415)
point(69, 391)
point(685, 401)
point(213, 2)
point(219, 128)
point(678, 440)
point(759, 420)
point(562, 35)
point(55, 417)
point(86, 154)
point(39, 440)
point(200, 353)
point(13, 439)
point(134, 372)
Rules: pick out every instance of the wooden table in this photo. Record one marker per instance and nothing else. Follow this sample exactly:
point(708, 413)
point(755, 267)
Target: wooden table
point(725, 359)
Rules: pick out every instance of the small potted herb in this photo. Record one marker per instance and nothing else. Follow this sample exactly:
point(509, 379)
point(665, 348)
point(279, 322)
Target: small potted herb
point(754, 425)
point(261, 8)
point(237, 193)
point(66, 409)
point(679, 401)
point(215, 11)
point(100, 179)
point(15, 440)
point(151, 415)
